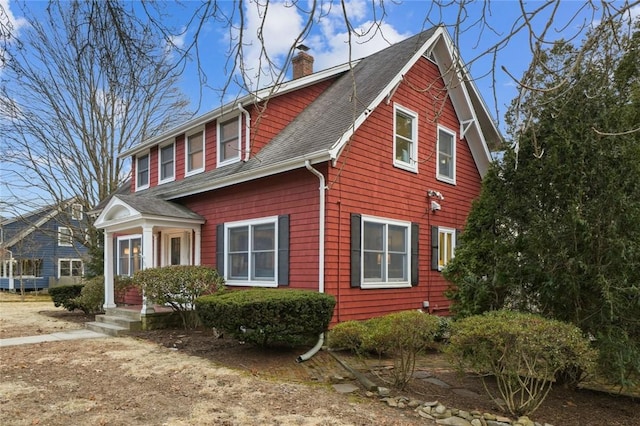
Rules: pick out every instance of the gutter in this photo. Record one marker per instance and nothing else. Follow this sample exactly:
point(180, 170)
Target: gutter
point(247, 124)
point(322, 189)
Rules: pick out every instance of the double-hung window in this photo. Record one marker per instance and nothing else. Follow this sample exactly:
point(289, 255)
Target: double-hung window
point(166, 163)
point(446, 161)
point(405, 142)
point(142, 171)
point(229, 137)
point(69, 268)
point(30, 268)
point(251, 248)
point(76, 211)
point(384, 252)
point(129, 255)
point(443, 246)
point(65, 236)
point(195, 153)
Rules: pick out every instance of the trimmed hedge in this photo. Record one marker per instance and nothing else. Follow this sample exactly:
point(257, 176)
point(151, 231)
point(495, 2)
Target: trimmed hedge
point(64, 296)
point(91, 296)
point(268, 316)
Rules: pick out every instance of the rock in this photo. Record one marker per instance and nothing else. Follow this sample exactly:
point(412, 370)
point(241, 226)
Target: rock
point(453, 421)
point(382, 391)
point(446, 414)
point(391, 402)
point(422, 414)
point(465, 415)
point(503, 419)
point(336, 379)
point(476, 422)
point(440, 409)
point(369, 394)
point(525, 421)
point(438, 382)
point(489, 416)
point(431, 403)
point(420, 374)
point(345, 387)
point(413, 403)
point(495, 423)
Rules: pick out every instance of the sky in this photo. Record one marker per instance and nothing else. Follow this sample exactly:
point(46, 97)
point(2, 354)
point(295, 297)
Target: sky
point(328, 37)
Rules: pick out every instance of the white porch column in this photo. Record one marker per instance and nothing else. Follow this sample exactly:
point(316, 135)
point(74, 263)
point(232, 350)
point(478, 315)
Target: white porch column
point(12, 285)
point(196, 246)
point(109, 297)
point(148, 256)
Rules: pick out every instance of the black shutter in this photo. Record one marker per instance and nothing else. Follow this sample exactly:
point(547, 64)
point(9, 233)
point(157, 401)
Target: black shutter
point(415, 238)
point(283, 250)
point(220, 249)
point(435, 241)
point(356, 224)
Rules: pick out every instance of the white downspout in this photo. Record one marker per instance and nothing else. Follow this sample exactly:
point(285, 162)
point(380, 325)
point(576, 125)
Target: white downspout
point(247, 126)
point(322, 188)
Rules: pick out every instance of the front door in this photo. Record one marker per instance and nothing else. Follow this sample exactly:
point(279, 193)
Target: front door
point(176, 249)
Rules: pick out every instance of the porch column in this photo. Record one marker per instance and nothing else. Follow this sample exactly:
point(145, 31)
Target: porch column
point(11, 282)
point(196, 246)
point(109, 298)
point(148, 254)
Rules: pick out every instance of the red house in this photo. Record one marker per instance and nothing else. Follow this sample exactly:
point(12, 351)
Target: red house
point(352, 181)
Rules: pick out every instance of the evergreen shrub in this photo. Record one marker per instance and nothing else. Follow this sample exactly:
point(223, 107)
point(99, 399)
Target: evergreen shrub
point(64, 296)
point(91, 296)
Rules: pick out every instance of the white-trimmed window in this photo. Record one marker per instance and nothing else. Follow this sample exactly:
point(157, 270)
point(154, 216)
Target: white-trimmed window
point(405, 140)
point(70, 268)
point(229, 138)
point(77, 211)
point(142, 171)
point(29, 268)
point(166, 163)
point(194, 153)
point(443, 246)
point(446, 161)
point(129, 254)
point(65, 236)
point(251, 252)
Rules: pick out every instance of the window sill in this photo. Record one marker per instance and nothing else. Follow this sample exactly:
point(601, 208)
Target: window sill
point(193, 172)
point(446, 179)
point(401, 284)
point(168, 180)
point(227, 162)
point(405, 166)
point(252, 283)
point(141, 188)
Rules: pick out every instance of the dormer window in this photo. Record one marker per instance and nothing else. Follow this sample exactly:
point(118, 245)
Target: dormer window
point(142, 172)
point(229, 137)
point(405, 141)
point(167, 163)
point(195, 153)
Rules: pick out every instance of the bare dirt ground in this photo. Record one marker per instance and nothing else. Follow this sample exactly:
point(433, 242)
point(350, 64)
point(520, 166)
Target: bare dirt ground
point(175, 377)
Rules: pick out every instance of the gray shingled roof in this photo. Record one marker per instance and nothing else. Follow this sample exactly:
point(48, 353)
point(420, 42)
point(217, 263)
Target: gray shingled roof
point(321, 124)
point(153, 206)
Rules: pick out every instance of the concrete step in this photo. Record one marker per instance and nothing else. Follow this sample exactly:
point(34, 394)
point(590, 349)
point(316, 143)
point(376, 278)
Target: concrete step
point(124, 313)
point(128, 323)
point(106, 328)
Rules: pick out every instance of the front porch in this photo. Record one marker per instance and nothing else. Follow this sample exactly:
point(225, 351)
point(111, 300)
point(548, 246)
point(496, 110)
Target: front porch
point(124, 319)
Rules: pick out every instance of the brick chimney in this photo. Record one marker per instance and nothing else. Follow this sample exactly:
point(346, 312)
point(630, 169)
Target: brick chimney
point(302, 62)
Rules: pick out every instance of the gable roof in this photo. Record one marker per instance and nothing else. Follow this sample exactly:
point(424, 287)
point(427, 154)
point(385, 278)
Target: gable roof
point(343, 107)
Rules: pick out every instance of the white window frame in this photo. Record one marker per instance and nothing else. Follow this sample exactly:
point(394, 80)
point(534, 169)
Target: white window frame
point(226, 120)
point(411, 164)
point(452, 233)
point(77, 211)
point(386, 283)
point(34, 261)
point(160, 164)
point(272, 220)
point(140, 186)
point(62, 235)
point(187, 171)
point(70, 260)
point(127, 238)
point(440, 176)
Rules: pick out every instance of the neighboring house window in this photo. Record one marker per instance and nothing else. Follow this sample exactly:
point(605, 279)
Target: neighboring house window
point(255, 252)
point(446, 165)
point(384, 252)
point(65, 236)
point(405, 142)
point(229, 137)
point(443, 246)
point(129, 255)
point(5, 268)
point(30, 268)
point(142, 172)
point(167, 163)
point(195, 152)
point(69, 268)
point(76, 211)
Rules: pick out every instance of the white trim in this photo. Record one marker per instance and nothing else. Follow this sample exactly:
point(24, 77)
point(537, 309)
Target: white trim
point(80, 210)
point(61, 244)
point(117, 251)
point(188, 172)
point(454, 148)
point(446, 231)
point(411, 164)
point(185, 247)
point(173, 171)
point(385, 284)
point(138, 158)
point(226, 120)
point(70, 260)
point(249, 282)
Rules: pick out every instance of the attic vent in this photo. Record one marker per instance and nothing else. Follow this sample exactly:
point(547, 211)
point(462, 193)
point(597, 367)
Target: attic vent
point(302, 62)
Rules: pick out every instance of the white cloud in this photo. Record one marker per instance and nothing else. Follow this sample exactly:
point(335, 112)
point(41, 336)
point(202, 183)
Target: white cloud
point(9, 27)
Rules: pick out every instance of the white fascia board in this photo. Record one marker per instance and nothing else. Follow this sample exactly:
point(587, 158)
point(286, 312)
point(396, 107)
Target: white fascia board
point(286, 166)
point(337, 147)
point(44, 219)
point(101, 222)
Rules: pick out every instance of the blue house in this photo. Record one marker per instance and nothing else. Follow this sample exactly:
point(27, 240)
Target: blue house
point(44, 248)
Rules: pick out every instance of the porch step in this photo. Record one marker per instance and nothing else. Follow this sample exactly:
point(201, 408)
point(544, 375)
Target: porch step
point(133, 314)
point(106, 328)
point(127, 323)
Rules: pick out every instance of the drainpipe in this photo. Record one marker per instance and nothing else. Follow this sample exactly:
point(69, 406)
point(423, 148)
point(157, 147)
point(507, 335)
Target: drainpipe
point(247, 124)
point(322, 189)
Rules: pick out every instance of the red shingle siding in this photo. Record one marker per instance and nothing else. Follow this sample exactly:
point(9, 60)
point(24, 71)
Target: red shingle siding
point(366, 182)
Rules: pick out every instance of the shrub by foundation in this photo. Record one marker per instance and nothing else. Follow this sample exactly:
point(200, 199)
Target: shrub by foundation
point(266, 317)
point(91, 296)
point(64, 296)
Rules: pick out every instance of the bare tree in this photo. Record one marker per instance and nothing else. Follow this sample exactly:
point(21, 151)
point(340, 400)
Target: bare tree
point(80, 85)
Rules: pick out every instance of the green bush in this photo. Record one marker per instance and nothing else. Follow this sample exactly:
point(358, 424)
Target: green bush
point(121, 284)
point(91, 296)
point(178, 287)
point(64, 296)
point(268, 316)
point(347, 335)
point(524, 352)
